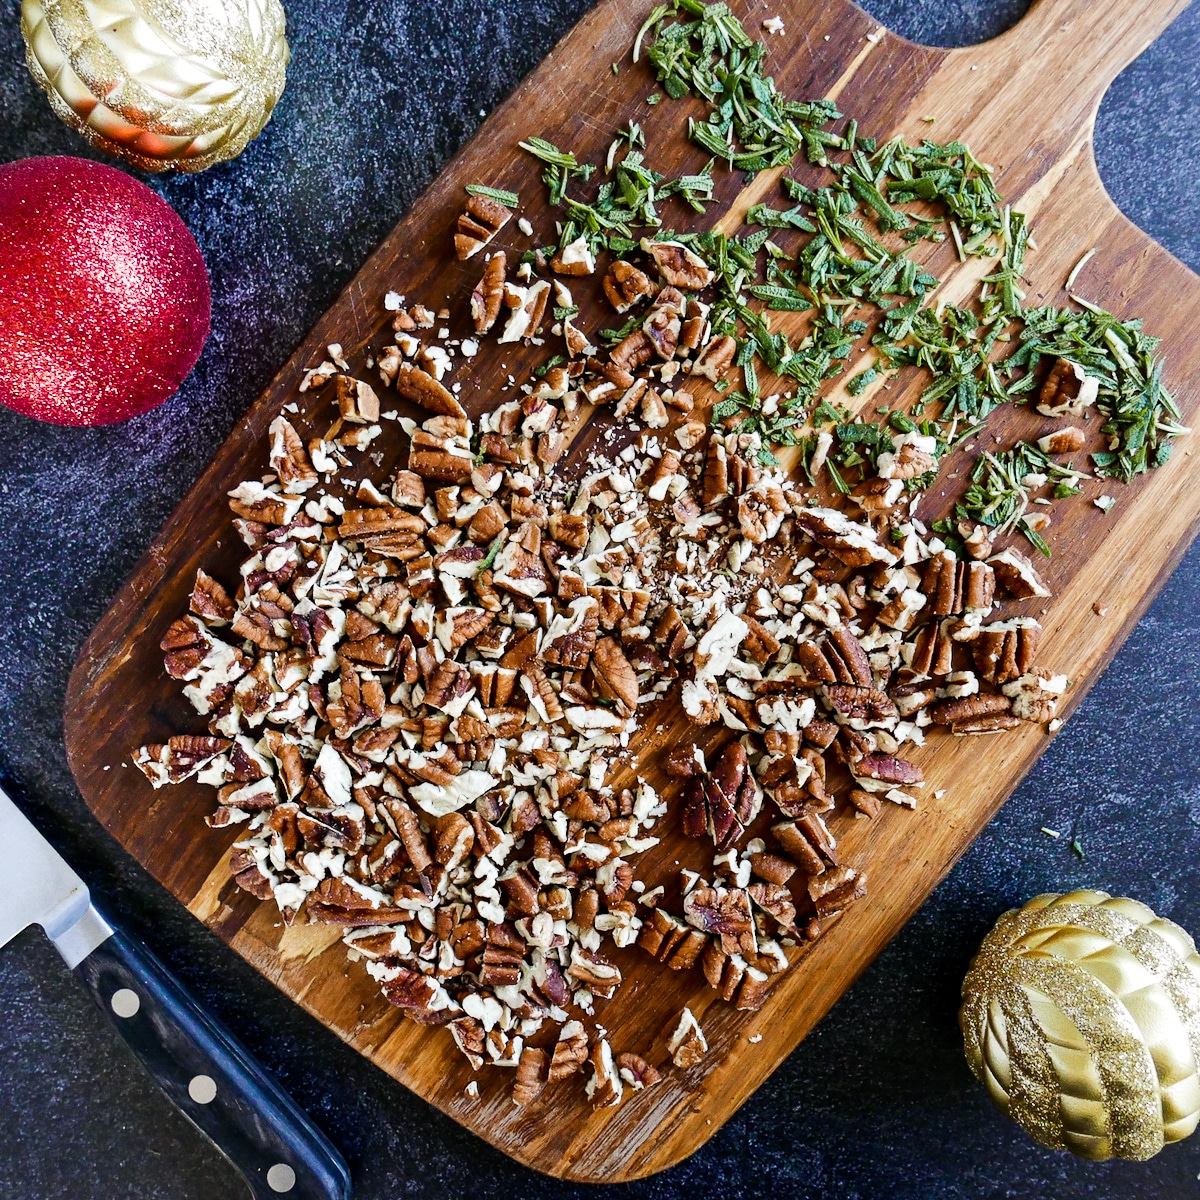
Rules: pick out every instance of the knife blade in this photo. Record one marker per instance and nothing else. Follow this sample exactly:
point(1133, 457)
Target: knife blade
point(197, 1062)
point(37, 887)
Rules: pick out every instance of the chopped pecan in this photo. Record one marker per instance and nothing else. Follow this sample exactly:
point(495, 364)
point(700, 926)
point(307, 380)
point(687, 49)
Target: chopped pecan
point(604, 1088)
point(439, 457)
point(289, 460)
point(594, 972)
point(947, 712)
point(714, 361)
point(636, 1072)
point(357, 401)
point(1068, 390)
point(614, 675)
point(422, 998)
point(912, 454)
point(210, 601)
point(859, 703)
point(633, 351)
point(835, 888)
point(625, 285)
point(570, 1051)
point(679, 266)
point(179, 759)
point(808, 843)
point(686, 1044)
point(726, 913)
point(854, 544)
point(533, 1069)
point(1005, 650)
point(421, 388)
point(663, 321)
point(468, 1036)
point(772, 868)
point(574, 259)
point(887, 769)
point(716, 474)
point(1067, 440)
point(987, 723)
point(775, 899)
point(952, 587)
point(933, 652)
point(1017, 575)
point(482, 220)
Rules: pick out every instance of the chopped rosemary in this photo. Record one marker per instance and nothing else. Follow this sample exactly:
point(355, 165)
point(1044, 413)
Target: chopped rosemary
point(508, 199)
point(828, 252)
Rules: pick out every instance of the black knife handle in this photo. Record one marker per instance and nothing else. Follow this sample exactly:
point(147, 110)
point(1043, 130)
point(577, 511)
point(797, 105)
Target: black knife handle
point(211, 1078)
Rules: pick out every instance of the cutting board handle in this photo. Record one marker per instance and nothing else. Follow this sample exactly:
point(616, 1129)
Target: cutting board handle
point(1073, 47)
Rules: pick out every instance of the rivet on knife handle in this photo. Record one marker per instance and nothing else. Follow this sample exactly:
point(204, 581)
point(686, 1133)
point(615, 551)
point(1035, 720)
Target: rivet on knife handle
point(211, 1078)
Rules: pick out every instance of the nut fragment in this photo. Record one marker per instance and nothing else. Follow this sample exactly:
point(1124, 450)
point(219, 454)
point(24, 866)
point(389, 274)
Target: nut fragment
point(625, 285)
point(488, 295)
point(686, 1044)
point(1067, 440)
point(421, 388)
point(1068, 390)
point(482, 220)
point(679, 266)
point(357, 401)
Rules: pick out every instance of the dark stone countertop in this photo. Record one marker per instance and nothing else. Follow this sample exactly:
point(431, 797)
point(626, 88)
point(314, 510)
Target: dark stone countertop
point(878, 1101)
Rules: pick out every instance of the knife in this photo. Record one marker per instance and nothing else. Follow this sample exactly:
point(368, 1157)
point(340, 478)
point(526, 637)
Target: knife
point(203, 1069)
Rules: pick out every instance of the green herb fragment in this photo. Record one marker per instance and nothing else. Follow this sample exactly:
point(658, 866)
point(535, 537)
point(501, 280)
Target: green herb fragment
point(1140, 413)
point(508, 199)
point(862, 381)
point(494, 549)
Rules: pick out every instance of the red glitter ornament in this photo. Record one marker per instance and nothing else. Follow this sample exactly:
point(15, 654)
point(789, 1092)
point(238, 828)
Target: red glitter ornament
point(104, 297)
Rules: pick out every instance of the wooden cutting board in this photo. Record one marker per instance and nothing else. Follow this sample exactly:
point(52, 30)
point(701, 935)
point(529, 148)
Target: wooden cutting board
point(1026, 104)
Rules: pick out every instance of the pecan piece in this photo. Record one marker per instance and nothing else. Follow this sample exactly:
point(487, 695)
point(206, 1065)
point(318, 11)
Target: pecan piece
point(947, 712)
point(423, 389)
point(532, 1075)
point(679, 266)
point(808, 843)
point(988, 723)
point(726, 913)
point(714, 361)
point(210, 601)
point(888, 770)
point(289, 460)
point(686, 1044)
point(636, 1073)
point(834, 889)
point(1068, 390)
point(482, 220)
point(1067, 440)
point(1017, 574)
point(488, 295)
point(604, 1088)
point(574, 259)
point(570, 1051)
point(854, 544)
point(357, 401)
point(625, 285)
point(614, 675)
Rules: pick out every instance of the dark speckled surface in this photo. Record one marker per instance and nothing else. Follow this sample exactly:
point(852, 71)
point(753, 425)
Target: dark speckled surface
point(877, 1103)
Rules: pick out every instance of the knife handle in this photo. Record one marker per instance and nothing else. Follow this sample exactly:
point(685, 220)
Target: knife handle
point(211, 1078)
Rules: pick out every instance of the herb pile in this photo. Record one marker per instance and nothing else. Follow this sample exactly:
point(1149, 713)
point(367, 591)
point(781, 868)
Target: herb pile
point(838, 251)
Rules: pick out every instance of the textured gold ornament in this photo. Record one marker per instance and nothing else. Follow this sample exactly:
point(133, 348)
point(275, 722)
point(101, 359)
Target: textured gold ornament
point(1081, 1017)
point(177, 84)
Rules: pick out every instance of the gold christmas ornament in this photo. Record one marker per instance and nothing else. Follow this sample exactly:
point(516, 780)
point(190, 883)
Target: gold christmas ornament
point(1081, 1017)
point(165, 84)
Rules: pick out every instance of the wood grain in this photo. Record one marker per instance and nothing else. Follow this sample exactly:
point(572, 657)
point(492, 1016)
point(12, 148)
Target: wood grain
point(1026, 102)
